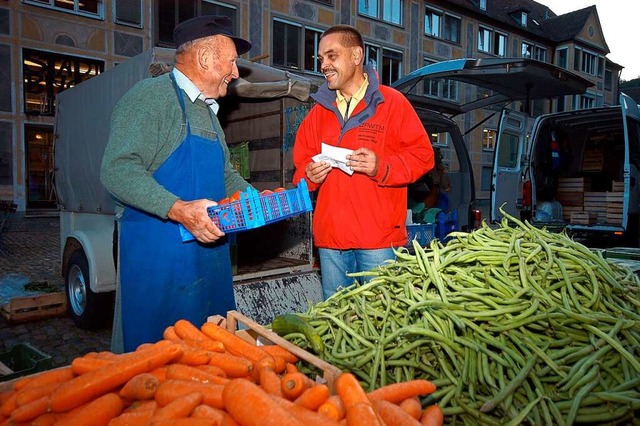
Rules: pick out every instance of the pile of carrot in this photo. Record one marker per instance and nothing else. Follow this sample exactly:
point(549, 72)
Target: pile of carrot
point(206, 376)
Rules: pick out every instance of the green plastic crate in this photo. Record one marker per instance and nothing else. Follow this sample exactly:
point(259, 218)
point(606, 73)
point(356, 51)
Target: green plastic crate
point(24, 359)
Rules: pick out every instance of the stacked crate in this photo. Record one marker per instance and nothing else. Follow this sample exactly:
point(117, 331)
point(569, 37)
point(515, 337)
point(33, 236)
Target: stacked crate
point(615, 203)
point(596, 203)
point(571, 195)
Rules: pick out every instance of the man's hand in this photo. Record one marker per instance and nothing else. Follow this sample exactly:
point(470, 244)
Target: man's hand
point(193, 216)
point(317, 172)
point(363, 160)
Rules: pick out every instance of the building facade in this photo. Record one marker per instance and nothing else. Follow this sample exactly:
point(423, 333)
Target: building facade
point(47, 46)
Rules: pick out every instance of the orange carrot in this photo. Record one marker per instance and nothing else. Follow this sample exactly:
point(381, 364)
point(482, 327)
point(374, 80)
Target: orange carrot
point(160, 373)
point(249, 405)
point(304, 415)
point(350, 390)
point(280, 364)
point(270, 382)
point(362, 414)
point(95, 383)
point(84, 364)
point(58, 375)
point(398, 392)
point(140, 387)
point(219, 417)
point(313, 397)
point(208, 345)
point(432, 416)
point(32, 393)
point(290, 368)
point(179, 407)
point(234, 366)
point(333, 408)
point(172, 389)
point(233, 343)
point(275, 350)
point(96, 413)
point(212, 369)
point(188, 421)
point(133, 418)
point(412, 406)
point(392, 414)
point(46, 419)
point(194, 356)
point(170, 334)
point(293, 384)
point(187, 372)
point(138, 406)
point(10, 404)
point(187, 331)
point(31, 410)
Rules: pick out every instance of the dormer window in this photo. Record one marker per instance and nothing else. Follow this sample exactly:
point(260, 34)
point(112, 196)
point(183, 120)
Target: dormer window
point(483, 4)
point(523, 19)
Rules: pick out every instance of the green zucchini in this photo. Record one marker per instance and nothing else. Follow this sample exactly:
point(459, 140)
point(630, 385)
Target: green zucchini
point(292, 323)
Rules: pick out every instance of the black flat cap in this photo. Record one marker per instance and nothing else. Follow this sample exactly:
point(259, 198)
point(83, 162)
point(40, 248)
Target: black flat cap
point(205, 26)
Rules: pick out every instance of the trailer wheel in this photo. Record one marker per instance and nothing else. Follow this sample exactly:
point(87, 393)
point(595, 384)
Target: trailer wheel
point(88, 309)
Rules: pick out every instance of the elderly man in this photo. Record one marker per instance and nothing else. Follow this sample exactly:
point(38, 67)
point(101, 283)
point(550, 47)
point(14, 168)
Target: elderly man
point(166, 160)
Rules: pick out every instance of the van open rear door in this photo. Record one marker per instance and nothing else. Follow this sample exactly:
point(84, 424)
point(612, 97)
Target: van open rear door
point(506, 186)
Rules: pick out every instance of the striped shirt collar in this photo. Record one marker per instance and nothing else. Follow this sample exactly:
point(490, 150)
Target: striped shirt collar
point(192, 91)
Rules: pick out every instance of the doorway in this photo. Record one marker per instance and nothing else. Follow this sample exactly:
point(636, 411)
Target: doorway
point(40, 190)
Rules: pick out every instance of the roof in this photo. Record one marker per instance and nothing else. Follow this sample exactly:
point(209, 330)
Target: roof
point(568, 26)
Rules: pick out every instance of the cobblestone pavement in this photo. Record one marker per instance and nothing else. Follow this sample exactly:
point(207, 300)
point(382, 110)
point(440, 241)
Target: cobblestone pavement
point(31, 247)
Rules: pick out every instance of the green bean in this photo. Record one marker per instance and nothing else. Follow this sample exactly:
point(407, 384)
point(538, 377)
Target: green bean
point(513, 384)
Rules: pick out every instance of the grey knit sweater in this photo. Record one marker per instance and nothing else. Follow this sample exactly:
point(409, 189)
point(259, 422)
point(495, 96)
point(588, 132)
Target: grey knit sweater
point(147, 125)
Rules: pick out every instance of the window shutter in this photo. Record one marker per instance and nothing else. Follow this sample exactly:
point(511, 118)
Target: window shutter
point(129, 12)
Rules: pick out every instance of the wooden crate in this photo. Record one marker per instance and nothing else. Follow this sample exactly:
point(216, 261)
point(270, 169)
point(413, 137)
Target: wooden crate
point(570, 198)
point(579, 184)
point(617, 186)
point(583, 218)
point(257, 334)
point(567, 211)
point(29, 308)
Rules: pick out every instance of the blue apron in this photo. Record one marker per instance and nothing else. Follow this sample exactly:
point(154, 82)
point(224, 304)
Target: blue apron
point(163, 279)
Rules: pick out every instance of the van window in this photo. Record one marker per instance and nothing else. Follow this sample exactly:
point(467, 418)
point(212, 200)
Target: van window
point(508, 151)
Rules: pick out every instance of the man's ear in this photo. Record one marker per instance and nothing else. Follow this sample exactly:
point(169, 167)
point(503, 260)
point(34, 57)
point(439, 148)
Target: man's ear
point(358, 55)
point(204, 55)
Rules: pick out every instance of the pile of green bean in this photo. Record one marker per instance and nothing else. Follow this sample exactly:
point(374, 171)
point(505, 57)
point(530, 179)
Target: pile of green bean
point(514, 324)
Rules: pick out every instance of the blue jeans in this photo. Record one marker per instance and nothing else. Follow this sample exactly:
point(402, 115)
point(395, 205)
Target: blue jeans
point(336, 264)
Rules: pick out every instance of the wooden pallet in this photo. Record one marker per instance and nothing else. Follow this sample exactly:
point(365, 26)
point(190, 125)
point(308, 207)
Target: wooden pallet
point(583, 218)
point(30, 308)
point(580, 184)
point(257, 334)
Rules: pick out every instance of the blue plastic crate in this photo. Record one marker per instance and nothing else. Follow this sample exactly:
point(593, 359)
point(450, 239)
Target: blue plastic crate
point(254, 209)
point(281, 205)
point(422, 232)
point(446, 223)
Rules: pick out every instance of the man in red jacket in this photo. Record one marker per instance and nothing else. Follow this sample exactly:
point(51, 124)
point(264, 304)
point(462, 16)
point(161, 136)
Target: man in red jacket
point(360, 210)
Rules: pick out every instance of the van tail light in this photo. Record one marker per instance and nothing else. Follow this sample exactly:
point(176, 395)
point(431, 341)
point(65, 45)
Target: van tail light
point(526, 194)
point(477, 219)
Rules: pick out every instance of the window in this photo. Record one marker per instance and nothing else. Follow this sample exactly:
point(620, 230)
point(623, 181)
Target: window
point(489, 139)
point(295, 46)
point(483, 4)
point(562, 57)
point(440, 88)
point(391, 66)
point(485, 178)
point(440, 139)
point(91, 8)
point(129, 12)
point(490, 41)
point(523, 19)
point(47, 74)
point(210, 7)
point(587, 100)
point(607, 79)
point(387, 10)
point(6, 100)
point(532, 51)
point(372, 56)
point(442, 25)
point(586, 62)
point(508, 153)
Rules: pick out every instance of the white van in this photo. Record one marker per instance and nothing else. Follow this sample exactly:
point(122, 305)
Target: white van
point(575, 170)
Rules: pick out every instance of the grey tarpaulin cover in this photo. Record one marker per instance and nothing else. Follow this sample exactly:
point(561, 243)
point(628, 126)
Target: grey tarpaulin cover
point(83, 115)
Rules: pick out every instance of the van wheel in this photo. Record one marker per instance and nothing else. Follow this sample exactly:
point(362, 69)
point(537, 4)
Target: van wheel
point(88, 309)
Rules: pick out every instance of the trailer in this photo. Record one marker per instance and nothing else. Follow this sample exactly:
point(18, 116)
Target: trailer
point(274, 265)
